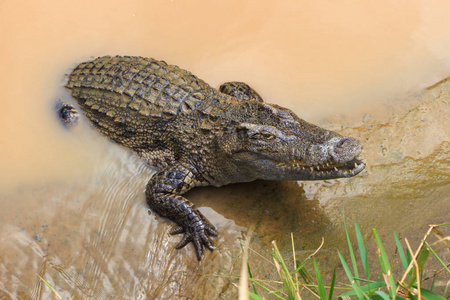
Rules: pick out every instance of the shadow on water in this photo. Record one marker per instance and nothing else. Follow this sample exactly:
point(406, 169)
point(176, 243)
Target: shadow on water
point(273, 209)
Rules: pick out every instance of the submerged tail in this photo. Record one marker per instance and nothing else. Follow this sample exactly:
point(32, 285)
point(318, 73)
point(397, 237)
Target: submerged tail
point(67, 114)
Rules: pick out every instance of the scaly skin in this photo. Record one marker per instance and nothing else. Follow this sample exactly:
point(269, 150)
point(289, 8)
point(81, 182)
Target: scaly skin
point(197, 136)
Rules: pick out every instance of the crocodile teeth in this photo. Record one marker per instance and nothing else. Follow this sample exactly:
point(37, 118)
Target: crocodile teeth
point(318, 168)
point(356, 165)
point(335, 169)
point(312, 169)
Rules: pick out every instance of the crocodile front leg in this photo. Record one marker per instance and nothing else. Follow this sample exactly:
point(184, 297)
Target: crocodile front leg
point(164, 197)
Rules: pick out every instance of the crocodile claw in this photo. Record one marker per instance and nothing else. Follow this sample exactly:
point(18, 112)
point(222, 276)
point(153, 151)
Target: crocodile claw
point(198, 234)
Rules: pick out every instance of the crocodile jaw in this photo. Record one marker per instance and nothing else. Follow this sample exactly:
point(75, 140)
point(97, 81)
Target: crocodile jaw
point(336, 158)
point(297, 170)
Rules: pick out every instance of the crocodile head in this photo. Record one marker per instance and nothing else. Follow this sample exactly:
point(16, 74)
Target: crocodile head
point(277, 144)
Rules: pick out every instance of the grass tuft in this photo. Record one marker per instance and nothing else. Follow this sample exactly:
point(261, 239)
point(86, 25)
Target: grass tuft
point(386, 286)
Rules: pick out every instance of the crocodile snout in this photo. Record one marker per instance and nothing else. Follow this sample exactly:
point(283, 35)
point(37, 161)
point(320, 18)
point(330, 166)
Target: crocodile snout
point(345, 149)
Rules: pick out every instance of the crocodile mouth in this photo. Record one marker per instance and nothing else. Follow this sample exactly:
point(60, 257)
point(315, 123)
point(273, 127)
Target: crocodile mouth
point(327, 170)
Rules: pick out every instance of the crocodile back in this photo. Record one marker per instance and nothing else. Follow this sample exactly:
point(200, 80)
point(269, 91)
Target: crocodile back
point(150, 87)
point(124, 96)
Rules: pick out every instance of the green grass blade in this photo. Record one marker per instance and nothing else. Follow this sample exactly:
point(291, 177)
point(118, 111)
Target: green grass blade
point(271, 292)
point(250, 276)
point(356, 288)
point(438, 258)
point(295, 262)
point(383, 295)
point(333, 281)
point(444, 224)
point(366, 288)
point(432, 283)
point(308, 279)
point(350, 249)
point(255, 296)
point(429, 295)
point(423, 256)
point(401, 253)
point(366, 280)
point(301, 265)
point(321, 287)
point(362, 251)
point(408, 257)
point(50, 287)
point(385, 266)
point(285, 281)
point(284, 273)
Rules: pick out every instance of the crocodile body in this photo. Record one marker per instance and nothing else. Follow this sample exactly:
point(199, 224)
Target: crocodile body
point(196, 135)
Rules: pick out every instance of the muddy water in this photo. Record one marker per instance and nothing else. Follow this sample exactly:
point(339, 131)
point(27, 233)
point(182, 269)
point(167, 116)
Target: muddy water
point(72, 204)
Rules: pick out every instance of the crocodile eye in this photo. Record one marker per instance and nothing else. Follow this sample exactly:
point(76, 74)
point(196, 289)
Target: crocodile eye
point(263, 136)
point(256, 132)
point(267, 136)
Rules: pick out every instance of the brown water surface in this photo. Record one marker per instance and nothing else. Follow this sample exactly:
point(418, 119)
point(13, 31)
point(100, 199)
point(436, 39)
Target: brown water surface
point(72, 204)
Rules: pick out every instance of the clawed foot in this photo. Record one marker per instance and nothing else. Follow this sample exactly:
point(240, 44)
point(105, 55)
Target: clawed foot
point(197, 233)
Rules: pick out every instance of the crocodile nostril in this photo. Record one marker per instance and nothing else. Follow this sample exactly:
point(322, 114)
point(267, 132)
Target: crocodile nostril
point(345, 149)
point(342, 143)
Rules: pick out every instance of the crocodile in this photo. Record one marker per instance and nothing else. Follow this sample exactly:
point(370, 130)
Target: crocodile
point(196, 135)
